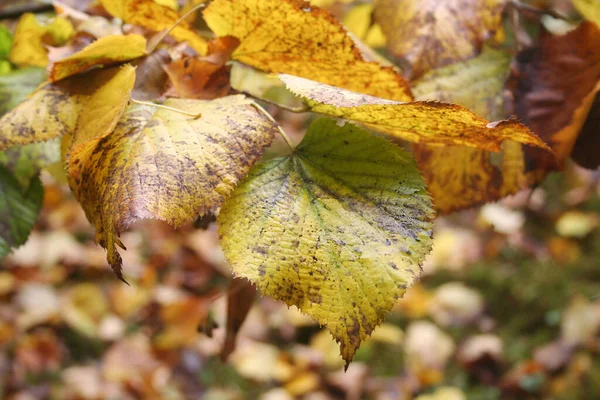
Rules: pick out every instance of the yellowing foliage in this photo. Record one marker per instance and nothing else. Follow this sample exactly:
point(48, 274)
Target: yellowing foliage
point(107, 50)
point(419, 122)
point(432, 33)
point(590, 9)
point(53, 110)
point(164, 164)
point(292, 37)
point(156, 17)
point(338, 228)
point(31, 38)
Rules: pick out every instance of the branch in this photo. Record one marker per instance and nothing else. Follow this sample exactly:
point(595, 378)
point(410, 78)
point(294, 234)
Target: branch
point(18, 10)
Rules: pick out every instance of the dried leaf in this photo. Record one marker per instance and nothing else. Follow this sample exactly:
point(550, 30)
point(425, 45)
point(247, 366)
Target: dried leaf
point(54, 109)
point(155, 17)
point(107, 50)
point(31, 37)
point(554, 86)
point(427, 122)
point(274, 37)
point(338, 228)
point(18, 210)
point(151, 78)
point(585, 151)
point(166, 165)
point(431, 34)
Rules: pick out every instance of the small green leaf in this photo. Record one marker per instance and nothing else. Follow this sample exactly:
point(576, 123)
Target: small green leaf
point(16, 86)
point(339, 228)
point(5, 42)
point(18, 210)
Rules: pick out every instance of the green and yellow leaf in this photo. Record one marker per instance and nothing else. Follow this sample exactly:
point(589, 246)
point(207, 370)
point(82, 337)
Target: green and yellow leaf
point(419, 122)
point(19, 210)
point(457, 176)
point(155, 17)
point(164, 164)
point(339, 228)
point(54, 109)
point(431, 34)
point(107, 50)
point(292, 37)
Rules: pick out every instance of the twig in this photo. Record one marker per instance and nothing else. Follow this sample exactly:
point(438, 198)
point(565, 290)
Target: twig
point(17, 11)
point(281, 131)
point(147, 103)
point(298, 110)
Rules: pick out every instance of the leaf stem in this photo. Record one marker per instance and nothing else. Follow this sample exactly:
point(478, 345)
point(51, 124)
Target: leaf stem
point(298, 110)
point(527, 8)
point(155, 41)
point(148, 103)
point(281, 131)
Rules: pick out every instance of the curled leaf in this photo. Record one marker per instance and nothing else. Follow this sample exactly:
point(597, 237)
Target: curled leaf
point(420, 121)
point(54, 109)
point(107, 50)
point(431, 34)
point(338, 228)
point(164, 164)
point(274, 37)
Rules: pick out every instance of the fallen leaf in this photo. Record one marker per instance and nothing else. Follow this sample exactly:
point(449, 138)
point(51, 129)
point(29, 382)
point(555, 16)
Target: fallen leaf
point(427, 349)
point(107, 50)
point(455, 304)
point(30, 38)
point(150, 77)
point(181, 319)
point(54, 109)
point(164, 164)
point(19, 210)
point(273, 38)
point(240, 298)
point(155, 17)
point(338, 228)
point(554, 86)
point(427, 122)
point(432, 34)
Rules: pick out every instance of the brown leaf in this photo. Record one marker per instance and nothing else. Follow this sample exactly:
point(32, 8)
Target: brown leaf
point(431, 34)
point(151, 78)
point(240, 297)
point(553, 86)
point(585, 151)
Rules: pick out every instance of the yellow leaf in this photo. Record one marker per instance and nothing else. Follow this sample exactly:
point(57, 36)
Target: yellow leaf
point(54, 109)
point(359, 21)
point(291, 37)
point(163, 164)
point(31, 38)
point(338, 228)
point(431, 34)
point(421, 121)
point(590, 9)
point(107, 50)
point(458, 176)
point(156, 17)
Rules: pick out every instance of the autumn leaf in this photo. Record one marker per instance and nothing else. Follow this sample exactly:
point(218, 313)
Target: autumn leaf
point(150, 77)
point(54, 109)
point(431, 34)
point(274, 37)
point(457, 176)
point(359, 21)
point(585, 151)
point(113, 49)
point(240, 298)
point(553, 86)
point(30, 38)
point(421, 121)
point(155, 17)
point(18, 210)
point(164, 164)
point(338, 228)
